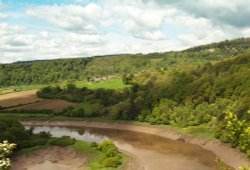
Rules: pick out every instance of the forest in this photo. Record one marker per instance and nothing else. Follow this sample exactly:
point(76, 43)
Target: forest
point(52, 71)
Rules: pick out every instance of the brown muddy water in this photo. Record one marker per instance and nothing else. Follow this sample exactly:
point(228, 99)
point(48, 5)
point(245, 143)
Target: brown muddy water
point(154, 152)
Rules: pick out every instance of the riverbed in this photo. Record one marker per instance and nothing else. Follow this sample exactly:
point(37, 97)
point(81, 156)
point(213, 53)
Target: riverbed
point(154, 152)
point(156, 147)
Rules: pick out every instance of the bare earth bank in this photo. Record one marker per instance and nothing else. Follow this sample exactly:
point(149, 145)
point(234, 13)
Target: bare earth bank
point(52, 158)
point(229, 155)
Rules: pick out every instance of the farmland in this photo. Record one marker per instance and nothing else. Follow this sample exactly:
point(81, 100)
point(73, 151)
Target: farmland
point(55, 105)
point(28, 100)
point(19, 98)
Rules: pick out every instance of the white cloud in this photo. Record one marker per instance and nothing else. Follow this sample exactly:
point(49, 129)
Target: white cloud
point(200, 30)
point(70, 17)
point(3, 16)
point(111, 26)
point(151, 35)
point(246, 32)
point(223, 12)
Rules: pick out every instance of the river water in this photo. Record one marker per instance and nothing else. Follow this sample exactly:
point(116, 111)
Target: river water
point(154, 152)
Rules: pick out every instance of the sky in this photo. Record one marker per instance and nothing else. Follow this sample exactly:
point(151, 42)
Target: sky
point(50, 29)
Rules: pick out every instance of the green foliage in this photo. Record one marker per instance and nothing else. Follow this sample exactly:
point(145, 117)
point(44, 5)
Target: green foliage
point(14, 132)
point(56, 71)
point(128, 78)
point(62, 141)
point(113, 161)
point(221, 165)
point(235, 131)
point(93, 144)
point(244, 168)
point(98, 154)
point(112, 157)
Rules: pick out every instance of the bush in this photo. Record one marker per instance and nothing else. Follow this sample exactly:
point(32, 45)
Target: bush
point(111, 161)
point(34, 142)
point(93, 144)
point(62, 141)
point(111, 157)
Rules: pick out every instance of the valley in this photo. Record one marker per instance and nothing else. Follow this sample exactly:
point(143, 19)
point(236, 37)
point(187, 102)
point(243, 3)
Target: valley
point(186, 109)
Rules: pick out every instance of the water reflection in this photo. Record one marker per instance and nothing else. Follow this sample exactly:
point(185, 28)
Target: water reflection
point(78, 134)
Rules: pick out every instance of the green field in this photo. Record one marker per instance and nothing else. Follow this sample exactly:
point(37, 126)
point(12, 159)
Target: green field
point(11, 89)
point(108, 84)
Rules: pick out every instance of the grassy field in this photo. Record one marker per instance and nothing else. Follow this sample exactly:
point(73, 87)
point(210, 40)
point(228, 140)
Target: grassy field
point(95, 156)
point(24, 116)
point(108, 84)
point(11, 89)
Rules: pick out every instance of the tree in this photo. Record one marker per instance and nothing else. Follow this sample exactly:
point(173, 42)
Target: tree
point(128, 78)
point(6, 149)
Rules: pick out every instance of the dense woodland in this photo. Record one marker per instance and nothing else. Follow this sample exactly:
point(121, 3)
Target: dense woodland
point(44, 72)
point(203, 86)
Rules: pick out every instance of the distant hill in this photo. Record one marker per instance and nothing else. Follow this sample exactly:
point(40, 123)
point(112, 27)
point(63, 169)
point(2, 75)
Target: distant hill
point(48, 71)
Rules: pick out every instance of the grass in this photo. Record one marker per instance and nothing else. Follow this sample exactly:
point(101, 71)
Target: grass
point(95, 155)
point(202, 130)
point(12, 89)
point(30, 150)
point(21, 116)
point(107, 84)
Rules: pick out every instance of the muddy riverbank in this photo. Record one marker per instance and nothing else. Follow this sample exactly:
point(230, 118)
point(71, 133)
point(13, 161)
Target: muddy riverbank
point(229, 155)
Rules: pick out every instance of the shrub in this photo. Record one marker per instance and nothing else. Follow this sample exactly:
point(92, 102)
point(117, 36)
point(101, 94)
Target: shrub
point(62, 141)
point(111, 157)
point(111, 161)
point(93, 144)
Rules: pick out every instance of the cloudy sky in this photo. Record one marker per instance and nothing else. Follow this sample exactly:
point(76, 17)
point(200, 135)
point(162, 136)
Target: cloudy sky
point(48, 29)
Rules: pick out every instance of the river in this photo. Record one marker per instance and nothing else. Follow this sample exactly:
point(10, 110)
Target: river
point(154, 152)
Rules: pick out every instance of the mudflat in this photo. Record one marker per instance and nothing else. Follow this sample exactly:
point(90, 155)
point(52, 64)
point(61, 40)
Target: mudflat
point(52, 158)
point(230, 156)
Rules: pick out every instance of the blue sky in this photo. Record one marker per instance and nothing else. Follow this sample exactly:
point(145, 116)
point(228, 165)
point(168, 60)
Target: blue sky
point(48, 29)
